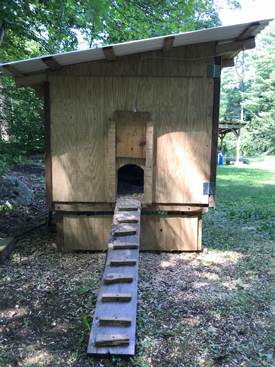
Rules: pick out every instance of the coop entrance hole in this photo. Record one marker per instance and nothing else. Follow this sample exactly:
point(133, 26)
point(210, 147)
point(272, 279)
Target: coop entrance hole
point(130, 180)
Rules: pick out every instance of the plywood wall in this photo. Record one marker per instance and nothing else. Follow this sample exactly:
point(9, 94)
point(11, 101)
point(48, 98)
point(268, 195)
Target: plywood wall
point(177, 94)
point(158, 232)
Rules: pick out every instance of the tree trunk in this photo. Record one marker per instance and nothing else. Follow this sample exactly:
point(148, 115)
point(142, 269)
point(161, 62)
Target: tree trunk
point(2, 32)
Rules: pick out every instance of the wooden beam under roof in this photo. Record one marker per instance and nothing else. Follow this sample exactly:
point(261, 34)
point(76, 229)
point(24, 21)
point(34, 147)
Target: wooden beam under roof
point(235, 46)
point(228, 63)
point(109, 53)
point(248, 32)
point(51, 63)
point(168, 44)
point(30, 81)
point(13, 70)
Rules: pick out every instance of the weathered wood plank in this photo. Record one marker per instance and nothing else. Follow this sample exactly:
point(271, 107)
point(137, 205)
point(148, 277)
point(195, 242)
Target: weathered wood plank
point(14, 71)
point(116, 297)
point(27, 81)
point(124, 246)
point(109, 53)
point(51, 63)
point(117, 300)
point(126, 262)
point(127, 220)
point(124, 232)
point(127, 208)
point(235, 46)
point(118, 278)
point(104, 340)
point(168, 44)
point(249, 31)
point(115, 321)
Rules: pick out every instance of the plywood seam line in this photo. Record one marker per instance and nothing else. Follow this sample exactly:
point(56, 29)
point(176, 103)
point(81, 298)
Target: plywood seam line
point(169, 59)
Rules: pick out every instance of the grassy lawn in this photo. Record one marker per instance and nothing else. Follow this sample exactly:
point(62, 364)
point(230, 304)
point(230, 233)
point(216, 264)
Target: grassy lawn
point(194, 309)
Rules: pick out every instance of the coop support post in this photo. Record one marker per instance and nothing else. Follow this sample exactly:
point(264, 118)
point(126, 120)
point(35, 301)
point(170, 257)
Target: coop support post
point(238, 148)
point(48, 155)
point(215, 132)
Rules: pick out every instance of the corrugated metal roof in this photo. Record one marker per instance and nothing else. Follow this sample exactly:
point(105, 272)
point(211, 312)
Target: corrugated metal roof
point(218, 34)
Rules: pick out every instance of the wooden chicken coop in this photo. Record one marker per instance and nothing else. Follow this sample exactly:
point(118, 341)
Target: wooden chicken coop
point(149, 107)
point(140, 121)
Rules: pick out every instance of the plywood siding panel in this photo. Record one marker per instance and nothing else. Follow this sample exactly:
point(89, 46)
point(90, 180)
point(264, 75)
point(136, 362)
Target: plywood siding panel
point(180, 106)
point(92, 141)
point(86, 232)
point(169, 232)
point(63, 139)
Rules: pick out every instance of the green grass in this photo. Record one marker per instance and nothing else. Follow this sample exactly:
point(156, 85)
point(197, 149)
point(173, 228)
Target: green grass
point(245, 187)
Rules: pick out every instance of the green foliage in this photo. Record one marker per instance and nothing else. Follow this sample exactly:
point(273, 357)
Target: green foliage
point(24, 113)
point(85, 288)
point(9, 156)
point(259, 97)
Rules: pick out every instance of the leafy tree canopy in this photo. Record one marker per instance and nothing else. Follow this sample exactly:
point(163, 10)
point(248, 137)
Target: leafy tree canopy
point(259, 96)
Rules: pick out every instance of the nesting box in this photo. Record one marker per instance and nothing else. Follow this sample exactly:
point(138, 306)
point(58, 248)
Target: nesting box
point(149, 108)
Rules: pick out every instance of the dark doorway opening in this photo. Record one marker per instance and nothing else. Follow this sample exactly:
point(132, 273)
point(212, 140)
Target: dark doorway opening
point(130, 180)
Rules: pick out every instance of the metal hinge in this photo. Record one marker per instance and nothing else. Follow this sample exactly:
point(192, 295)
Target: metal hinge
point(209, 188)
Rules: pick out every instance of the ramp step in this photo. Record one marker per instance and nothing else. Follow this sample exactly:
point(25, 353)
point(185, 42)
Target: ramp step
point(124, 232)
point(124, 246)
point(127, 220)
point(127, 208)
point(116, 297)
point(118, 278)
point(114, 324)
point(112, 339)
point(127, 262)
point(115, 321)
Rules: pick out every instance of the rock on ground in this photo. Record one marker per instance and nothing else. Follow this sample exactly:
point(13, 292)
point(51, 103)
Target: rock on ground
point(14, 191)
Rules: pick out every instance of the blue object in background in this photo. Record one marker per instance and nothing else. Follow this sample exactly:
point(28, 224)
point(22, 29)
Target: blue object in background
point(220, 158)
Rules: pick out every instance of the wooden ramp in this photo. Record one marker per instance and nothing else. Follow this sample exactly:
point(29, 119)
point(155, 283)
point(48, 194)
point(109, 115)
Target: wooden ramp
point(114, 324)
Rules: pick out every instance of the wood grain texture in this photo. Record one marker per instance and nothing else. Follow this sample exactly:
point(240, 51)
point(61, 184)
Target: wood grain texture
point(48, 153)
point(112, 178)
point(115, 321)
point(83, 232)
point(104, 340)
point(116, 297)
point(170, 232)
point(181, 107)
point(113, 307)
point(112, 278)
point(83, 207)
point(149, 166)
point(131, 134)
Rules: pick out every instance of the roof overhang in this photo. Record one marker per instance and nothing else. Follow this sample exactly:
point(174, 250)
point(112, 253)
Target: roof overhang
point(230, 40)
